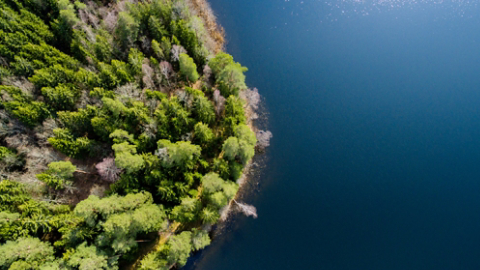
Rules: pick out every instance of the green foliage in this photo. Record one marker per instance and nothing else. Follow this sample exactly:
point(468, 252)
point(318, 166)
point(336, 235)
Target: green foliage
point(13, 197)
point(188, 68)
point(121, 72)
point(157, 50)
point(181, 154)
point(230, 148)
point(127, 30)
point(220, 166)
point(58, 174)
point(87, 68)
point(94, 208)
point(231, 79)
point(120, 229)
point(52, 181)
point(78, 122)
point(30, 253)
point(179, 248)
point(210, 215)
point(62, 169)
point(150, 262)
point(114, 106)
point(212, 183)
point(89, 258)
point(219, 62)
point(102, 47)
point(203, 110)
point(173, 117)
point(9, 159)
point(122, 218)
point(186, 211)
point(21, 106)
point(166, 46)
point(65, 142)
point(228, 74)
point(203, 134)
point(200, 239)
point(242, 146)
point(243, 132)
point(120, 136)
point(246, 151)
point(29, 113)
point(126, 157)
point(135, 59)
point(234, 109)
point(62, 97)
point(52, 76)
point(188, 39)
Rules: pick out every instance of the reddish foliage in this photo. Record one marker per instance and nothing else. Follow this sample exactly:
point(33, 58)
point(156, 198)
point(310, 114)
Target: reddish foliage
point(108, 170)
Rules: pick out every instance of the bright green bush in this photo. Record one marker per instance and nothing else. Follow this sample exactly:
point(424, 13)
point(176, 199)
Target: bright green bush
point(188, 68)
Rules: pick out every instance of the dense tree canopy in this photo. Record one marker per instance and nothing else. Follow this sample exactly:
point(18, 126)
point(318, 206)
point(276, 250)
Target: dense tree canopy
point(113, 133)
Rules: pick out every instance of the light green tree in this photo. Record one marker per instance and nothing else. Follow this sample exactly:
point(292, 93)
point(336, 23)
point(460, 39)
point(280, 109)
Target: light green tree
point(135, 59)
point(58, 174)
point(181, 154)
point(120, 136)
point(244, 132)
point(157, 50)
point(62, 97)
point(126, 157)
point(203, 133)
point(219, 62)
point(209, 215)
point(200, 239)
point(30, 253)
point(245, 151)
point(186, 211)
point(231, 79)
point(203, 110)
point(179, 248)
point(188, 68)
point(230, 148)
point(127, 30)
point(89, 258)
point(211, 182)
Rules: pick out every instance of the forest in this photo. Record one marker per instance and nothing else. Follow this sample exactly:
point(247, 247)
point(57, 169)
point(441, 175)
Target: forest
point(124, 128)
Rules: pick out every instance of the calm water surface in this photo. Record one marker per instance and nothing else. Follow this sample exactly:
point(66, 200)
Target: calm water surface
point(375, 159)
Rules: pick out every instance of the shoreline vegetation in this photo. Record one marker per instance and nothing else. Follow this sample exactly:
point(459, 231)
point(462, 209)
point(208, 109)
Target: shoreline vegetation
point(125, 133)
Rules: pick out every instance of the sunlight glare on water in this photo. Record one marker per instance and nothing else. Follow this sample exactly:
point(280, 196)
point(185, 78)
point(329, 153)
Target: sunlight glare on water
point(348, 8)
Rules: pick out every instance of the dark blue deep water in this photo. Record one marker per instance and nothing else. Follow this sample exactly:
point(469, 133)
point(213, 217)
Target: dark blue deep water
point(375, 159)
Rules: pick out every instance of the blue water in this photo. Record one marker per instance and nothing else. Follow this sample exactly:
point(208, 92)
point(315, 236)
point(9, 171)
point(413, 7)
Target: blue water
point(375, 159)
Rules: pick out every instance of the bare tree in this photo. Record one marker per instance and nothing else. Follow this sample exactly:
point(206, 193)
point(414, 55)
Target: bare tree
point(129, 91)
point(10, 126)
point(176, 51)
point(148, 74)
point(38, 158)
point(248, 210)
point(23, 84)
point(225, 211)
point(110, 20)
point(207, 73)
point(263, 139)
point(107, 170)
point(252, 97)
point(45, 131)
point(167, 70)
point(219, 102)
point(145, 43)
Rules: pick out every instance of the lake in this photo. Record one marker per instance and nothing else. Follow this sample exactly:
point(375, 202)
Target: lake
point(375, 157)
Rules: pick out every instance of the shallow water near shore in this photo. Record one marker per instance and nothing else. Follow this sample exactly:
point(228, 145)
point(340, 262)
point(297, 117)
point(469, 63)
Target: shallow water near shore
point(375, 157)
